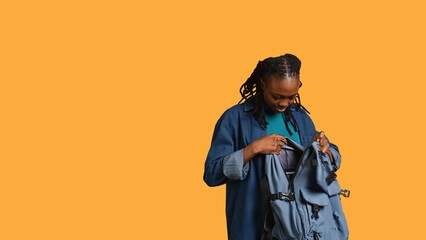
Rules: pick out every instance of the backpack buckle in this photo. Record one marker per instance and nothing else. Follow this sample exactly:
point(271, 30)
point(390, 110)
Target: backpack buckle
point(283, 196)
point(345, 193)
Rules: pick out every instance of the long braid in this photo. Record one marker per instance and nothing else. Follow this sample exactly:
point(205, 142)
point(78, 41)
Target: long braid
point(286, 65)
point(248, 89)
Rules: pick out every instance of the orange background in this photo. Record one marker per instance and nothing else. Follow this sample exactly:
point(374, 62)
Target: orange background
point(108, 109)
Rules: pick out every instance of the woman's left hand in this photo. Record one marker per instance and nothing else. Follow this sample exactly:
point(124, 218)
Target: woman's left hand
point(324, 145)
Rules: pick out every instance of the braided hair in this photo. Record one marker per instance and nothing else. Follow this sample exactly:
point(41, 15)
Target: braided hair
point(283, 66)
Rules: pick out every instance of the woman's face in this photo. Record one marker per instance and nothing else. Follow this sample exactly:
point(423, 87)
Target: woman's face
point(279, 93)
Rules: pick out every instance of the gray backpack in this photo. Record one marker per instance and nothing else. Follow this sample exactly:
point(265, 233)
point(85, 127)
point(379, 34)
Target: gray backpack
point(305, 195)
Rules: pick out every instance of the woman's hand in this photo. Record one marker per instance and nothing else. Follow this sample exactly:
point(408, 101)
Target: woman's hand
point(271, 144)
point(324, 145)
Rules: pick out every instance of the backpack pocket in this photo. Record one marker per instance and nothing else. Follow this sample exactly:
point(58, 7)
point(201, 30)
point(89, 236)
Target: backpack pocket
point(287, 220)
point(319, 218)
point(339, 217)
point(326, 175)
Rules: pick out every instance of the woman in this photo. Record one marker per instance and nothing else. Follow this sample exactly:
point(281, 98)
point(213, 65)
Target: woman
point(269, 112)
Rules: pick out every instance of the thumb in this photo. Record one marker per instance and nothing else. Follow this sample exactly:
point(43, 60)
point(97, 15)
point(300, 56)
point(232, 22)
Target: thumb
point(321, 135)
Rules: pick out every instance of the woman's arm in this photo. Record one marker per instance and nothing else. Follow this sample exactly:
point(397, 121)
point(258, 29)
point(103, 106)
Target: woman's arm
point(224, 163)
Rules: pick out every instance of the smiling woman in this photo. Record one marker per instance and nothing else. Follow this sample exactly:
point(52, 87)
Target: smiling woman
point(268, 117)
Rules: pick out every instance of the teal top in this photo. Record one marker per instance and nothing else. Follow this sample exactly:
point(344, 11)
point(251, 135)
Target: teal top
point(276, 125)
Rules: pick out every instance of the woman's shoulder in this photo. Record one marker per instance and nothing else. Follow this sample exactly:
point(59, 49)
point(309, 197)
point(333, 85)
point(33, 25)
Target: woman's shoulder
point(235, 113)
point(238, 109)
point(231, 112)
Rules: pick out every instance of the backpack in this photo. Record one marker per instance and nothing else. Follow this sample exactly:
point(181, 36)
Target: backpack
point(304, 198)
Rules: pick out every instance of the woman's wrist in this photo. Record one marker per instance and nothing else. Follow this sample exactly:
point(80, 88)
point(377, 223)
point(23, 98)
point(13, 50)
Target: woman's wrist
point(249, 152)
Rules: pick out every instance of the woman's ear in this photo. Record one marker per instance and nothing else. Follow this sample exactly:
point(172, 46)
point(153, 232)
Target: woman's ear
point(300, 84)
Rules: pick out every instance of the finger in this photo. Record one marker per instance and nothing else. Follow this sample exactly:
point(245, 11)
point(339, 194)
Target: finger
point(280, 137)
point(283, 141)
point(274, 150)
point(326, 148)
point(325, 145)
point(322, 141)
point(321, 144)
point(322, 135)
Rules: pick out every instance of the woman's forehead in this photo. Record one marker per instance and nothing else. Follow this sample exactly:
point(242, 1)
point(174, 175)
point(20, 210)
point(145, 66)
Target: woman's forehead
point(283, 86)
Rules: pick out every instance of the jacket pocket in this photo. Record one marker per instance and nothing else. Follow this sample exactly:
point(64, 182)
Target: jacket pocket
point(319, 218)
point(287, 219)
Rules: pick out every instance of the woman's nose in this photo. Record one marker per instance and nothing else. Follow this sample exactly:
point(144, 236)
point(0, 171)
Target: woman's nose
point(283, 103)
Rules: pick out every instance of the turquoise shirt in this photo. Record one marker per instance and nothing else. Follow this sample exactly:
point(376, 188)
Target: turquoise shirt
point(276, 125)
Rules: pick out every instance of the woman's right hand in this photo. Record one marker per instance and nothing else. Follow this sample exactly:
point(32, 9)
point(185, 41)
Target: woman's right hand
point(271, 144)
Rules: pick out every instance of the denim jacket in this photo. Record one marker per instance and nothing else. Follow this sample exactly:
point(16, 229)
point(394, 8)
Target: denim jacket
point(245, 198)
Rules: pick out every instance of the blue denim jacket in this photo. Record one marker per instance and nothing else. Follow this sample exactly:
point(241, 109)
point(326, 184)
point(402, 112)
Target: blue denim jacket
point(245, 202)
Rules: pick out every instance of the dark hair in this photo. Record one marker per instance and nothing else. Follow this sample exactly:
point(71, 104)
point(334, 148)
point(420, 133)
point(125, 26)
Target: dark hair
point(283, 66)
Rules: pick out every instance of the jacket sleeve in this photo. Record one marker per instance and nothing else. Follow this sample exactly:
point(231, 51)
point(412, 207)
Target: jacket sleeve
point(224, 162)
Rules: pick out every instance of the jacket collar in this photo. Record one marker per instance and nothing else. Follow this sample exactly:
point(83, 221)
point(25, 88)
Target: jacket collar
point(248, 105)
